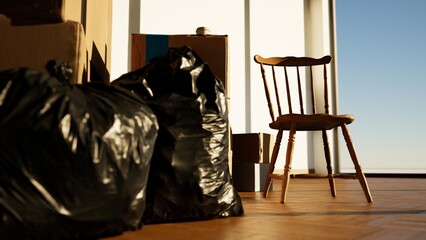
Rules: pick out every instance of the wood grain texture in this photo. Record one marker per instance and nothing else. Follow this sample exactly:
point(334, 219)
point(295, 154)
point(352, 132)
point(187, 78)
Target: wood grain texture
point(398, 212)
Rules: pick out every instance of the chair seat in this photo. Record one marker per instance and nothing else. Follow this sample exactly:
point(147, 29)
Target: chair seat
point(313, 122)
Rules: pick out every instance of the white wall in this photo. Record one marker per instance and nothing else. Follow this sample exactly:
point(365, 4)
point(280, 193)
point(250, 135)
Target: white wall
point(277, 28)
point(221, 17)
point(319, 41)
point(120, 38)
point(183, 17)
point(290, 28)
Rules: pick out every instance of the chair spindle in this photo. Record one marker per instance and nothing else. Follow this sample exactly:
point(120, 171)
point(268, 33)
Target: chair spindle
point(287, 85)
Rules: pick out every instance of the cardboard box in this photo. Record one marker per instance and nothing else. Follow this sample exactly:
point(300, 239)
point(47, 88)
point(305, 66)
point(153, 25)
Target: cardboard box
point(94, 15)
point(96, 19)
point(252, 147)
point(34, 46)
point(30, 12)
point(212, 48)
point(249, 177)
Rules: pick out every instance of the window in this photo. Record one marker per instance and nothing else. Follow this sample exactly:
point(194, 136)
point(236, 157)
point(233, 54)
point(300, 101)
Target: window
point(381, 53)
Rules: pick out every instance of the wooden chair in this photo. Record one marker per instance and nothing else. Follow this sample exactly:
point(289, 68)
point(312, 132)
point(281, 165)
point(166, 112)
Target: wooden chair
point(314, 120)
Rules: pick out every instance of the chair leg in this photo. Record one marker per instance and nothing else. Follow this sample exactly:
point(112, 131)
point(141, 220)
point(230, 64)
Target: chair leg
point(328, 160)
point(272, 163)
point(359, 172)
point(288, 159)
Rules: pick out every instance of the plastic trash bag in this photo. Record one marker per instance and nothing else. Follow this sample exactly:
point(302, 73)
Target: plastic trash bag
point(189, 177)
point(74, 159)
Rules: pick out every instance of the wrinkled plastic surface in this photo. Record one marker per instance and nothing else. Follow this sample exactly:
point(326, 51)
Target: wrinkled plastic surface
point(189, 177)
point(74, 159)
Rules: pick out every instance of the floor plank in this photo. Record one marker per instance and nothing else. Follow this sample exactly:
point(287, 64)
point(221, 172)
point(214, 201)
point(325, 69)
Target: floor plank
point(398, 212)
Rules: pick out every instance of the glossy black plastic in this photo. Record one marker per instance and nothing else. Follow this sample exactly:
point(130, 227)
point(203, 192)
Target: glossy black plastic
point(189, 177)
point(74, 159)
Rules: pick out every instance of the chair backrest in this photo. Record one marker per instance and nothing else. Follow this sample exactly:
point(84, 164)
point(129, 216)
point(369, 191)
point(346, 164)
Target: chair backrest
point(296, 65)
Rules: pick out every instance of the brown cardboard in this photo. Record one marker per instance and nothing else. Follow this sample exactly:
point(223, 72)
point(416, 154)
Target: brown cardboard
point(30, 12)
point(251, 147)
point(249, 177)
point(34, 46)
point(94, 15)
point(212, 48)
point(98, 27)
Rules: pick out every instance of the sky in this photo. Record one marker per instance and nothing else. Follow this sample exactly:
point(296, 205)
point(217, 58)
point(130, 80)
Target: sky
point(381, 53)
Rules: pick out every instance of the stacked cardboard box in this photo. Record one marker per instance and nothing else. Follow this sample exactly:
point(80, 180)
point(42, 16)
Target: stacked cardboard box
point(34, 45)
point(30, 12)
point(250, 156)
point(212, 48)
point(78, 32)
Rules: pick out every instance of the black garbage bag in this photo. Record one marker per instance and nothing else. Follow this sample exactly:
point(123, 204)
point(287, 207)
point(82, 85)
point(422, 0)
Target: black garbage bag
point(189, 177)
point(74, 159)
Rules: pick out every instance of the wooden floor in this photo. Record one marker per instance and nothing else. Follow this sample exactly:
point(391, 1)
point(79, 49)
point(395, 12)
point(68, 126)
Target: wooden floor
point(398, 212)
